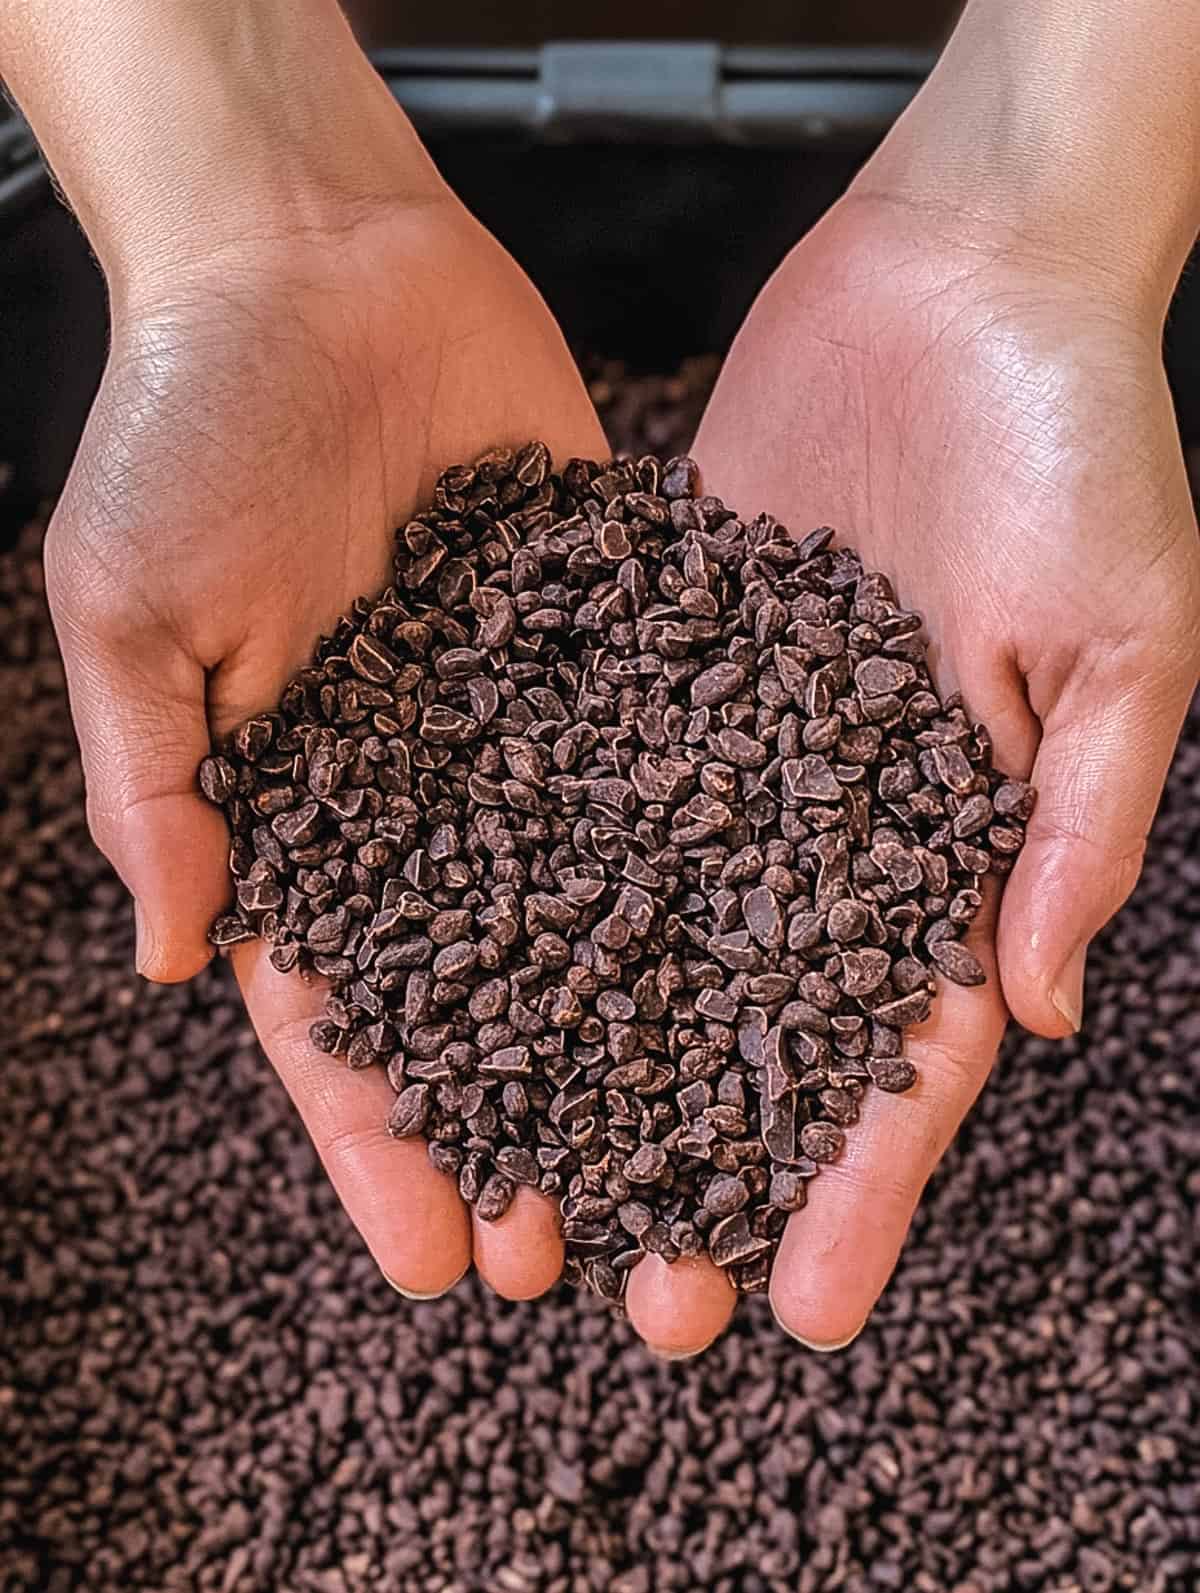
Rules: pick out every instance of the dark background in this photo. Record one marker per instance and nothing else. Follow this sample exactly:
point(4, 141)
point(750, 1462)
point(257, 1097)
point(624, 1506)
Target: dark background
point(202, 1374)
point(390, 22)
point(647, 250)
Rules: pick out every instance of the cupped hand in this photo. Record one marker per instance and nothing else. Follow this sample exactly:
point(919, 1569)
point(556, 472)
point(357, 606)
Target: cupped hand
point(994, 431)
point(269, 413)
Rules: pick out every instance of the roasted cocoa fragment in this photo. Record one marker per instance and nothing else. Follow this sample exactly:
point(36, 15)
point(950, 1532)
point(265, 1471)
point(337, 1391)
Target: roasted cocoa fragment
point(810, 779)
point(230, 930)
point(647, 1164)
point(880, 676)
point(495, 1198)
point(516, 1162)
point(764, 917)
point(717, 684)
point(731, 1241)
point(952, 768)
point(863, 971)
point(894, 1074)
point(218, 779)
point(957, 962)
point(373, 659)
point(725, 1195)
point(788, 1190)
point(847, 920)
point(906, 1010)
point(823, 1142)
point(299, 826)
point(974, 815)
point(778, 1111)
point(1014, 799)
point(410, 1111)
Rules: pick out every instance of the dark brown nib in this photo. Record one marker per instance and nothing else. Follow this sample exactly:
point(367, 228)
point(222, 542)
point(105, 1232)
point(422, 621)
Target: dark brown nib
point(629, 837)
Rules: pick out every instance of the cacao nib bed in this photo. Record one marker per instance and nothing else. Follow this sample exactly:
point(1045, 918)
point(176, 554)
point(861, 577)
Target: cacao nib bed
point(207, 1387)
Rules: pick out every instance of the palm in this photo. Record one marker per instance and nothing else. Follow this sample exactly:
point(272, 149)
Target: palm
point(972, 435)
point(1006, 452)
point(252, 448)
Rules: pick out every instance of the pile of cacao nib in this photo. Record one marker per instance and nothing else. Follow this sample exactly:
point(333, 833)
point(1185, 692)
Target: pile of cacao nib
point(630, 837)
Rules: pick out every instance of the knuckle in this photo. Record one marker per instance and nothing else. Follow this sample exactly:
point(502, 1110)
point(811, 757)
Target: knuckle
point(1113, 867)
point(342, 1148)
point(91, 597)
point(63, 563)
point(287, 1040)
point(1124, 871)
point(104, 825)
point(1161, 648)
point(1061, 829)
point(1189, 631)
point(118, 793)
point(891, 1188)
point(954, 1076)
point(1151, 655)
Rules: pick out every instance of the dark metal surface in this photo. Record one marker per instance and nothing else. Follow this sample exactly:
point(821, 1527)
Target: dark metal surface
point(648, 229)
point(516, 22)
point(643, 249)
point(692, 92)
point(53, 335)
point(21, 176)
point(652, 92)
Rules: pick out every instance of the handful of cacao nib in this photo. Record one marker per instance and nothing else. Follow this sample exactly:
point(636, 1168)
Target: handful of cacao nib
point(629, 837)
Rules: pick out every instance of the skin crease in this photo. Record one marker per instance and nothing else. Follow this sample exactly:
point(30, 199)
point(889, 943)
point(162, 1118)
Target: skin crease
point(989, 425)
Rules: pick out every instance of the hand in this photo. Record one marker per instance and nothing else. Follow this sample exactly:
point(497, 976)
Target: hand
point(271, 410)
point(995, 433)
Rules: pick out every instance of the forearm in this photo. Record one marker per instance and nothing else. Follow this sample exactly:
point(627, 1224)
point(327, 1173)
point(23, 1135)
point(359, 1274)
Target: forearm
point(1075, 123)
point(182, 122)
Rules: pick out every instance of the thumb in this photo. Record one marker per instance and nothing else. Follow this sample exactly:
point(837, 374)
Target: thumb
point(138, 702)
point(1099, 773)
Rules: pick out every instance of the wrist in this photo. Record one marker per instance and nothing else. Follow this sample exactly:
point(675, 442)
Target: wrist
point(1061, 132)
point(188, 133)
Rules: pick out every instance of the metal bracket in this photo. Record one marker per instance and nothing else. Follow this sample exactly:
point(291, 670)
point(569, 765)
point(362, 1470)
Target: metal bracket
point(656, 90)
point(655, 93)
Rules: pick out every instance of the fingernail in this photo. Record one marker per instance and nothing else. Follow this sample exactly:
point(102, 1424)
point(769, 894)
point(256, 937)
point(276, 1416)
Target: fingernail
point(816, 1344)
point(1067, 992)
point(145, 949)
point(681, 1355)
point(436, 1294)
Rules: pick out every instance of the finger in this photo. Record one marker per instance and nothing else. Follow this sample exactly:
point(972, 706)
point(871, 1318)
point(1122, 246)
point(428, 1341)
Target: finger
point(679, 1307)
point(520, 1255)
point(1099, 775)
point(837, 1254)
point(409, 1214)
point(139, 710)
